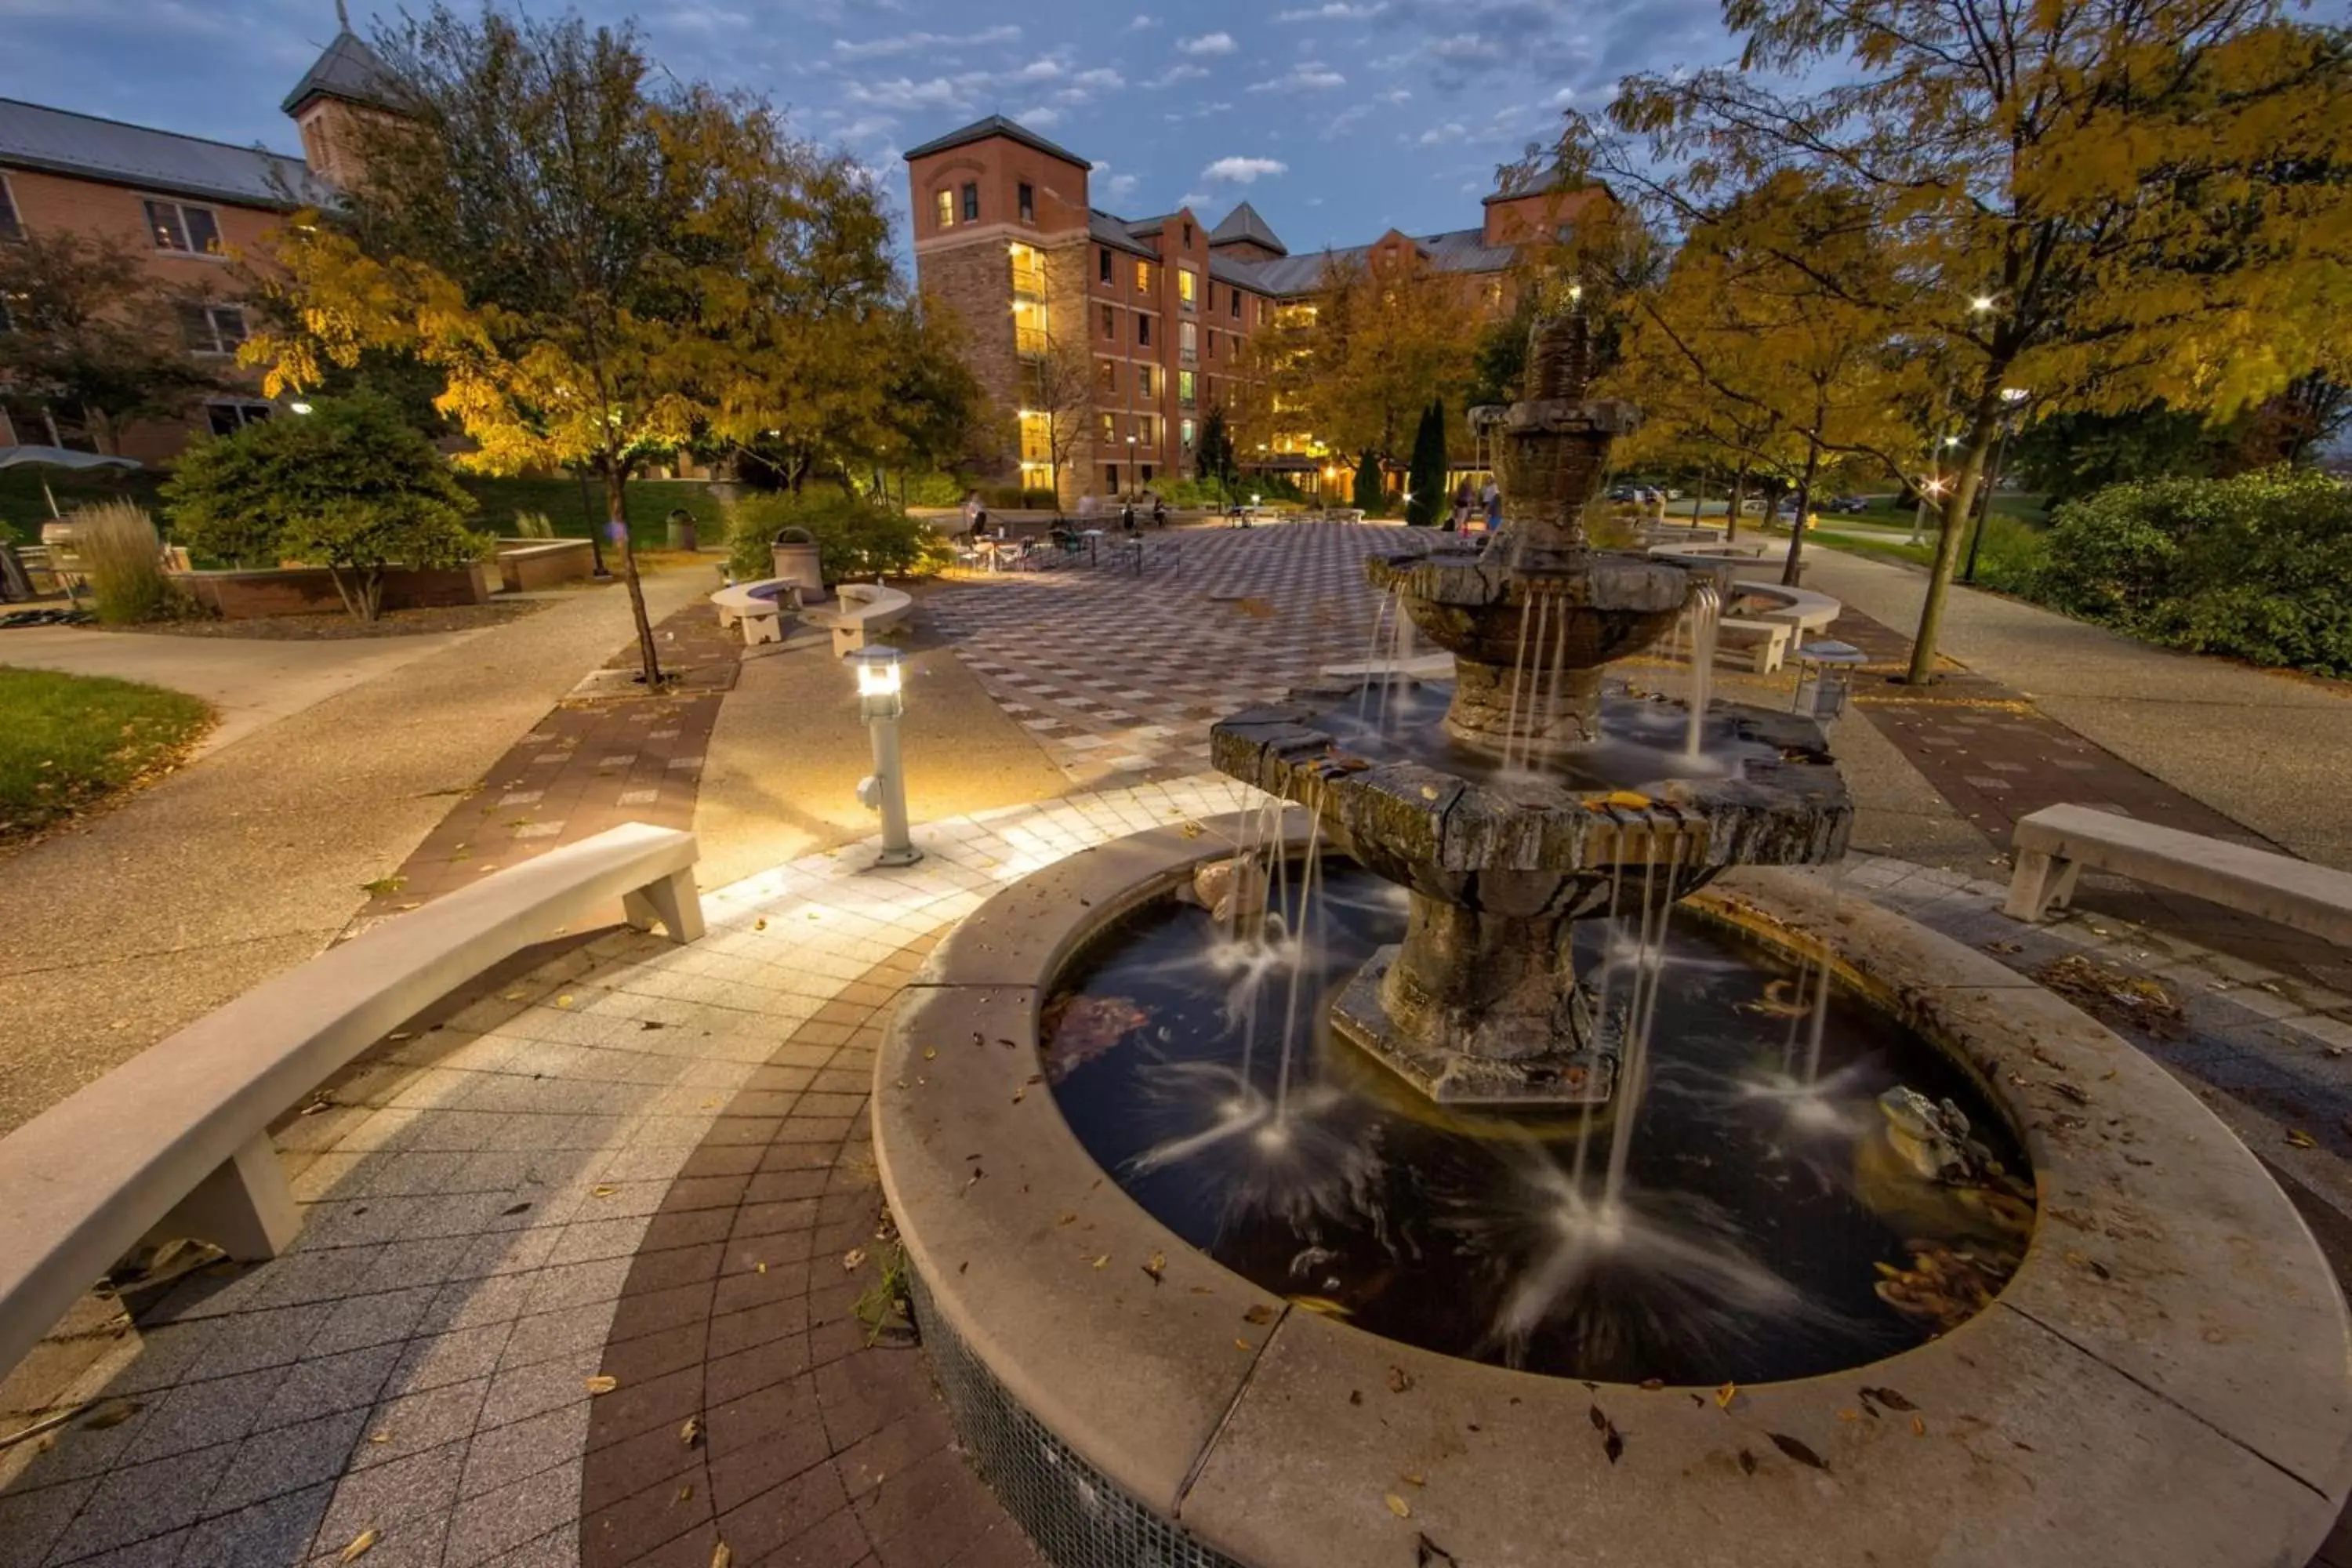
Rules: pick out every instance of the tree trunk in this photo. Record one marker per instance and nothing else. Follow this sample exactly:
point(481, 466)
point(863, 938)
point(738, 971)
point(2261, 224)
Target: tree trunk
point(1795, 568)
point(1738, 501)
point(1951, 534)
point(617, 518)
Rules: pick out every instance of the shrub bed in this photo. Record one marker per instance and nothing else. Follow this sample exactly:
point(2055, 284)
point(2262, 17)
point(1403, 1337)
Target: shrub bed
point(855, 538)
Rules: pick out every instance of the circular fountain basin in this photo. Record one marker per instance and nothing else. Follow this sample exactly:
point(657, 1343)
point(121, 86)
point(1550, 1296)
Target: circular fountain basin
point(2164, 1379)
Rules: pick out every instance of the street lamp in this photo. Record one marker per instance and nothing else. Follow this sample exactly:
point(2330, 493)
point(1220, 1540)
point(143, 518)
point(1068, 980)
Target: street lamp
point(1982, 304)
point(1825, 678)
point(299, 407)
point(881, 699)
point(2011, 397)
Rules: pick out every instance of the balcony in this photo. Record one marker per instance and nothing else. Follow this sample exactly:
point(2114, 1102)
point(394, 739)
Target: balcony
point(1029, 343)
point(1028, 282)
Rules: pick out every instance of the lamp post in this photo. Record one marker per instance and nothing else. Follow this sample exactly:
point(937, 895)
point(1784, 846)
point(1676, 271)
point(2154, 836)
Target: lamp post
point(1825, 679)
point(881, 698)
point(2010, 396)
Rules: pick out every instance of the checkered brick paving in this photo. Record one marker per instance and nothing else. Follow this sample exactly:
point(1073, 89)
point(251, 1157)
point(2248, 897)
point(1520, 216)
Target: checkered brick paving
point(1119, 676)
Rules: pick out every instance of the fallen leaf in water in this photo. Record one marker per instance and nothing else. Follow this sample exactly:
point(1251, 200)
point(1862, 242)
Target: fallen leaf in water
point(1399, 1379)
point(1156, 1266)
point(1261, 1314)
point(602, 1385)
point(691, 1433)
point(852, 1258)
point(359, 1546)
point(1797, 1451)
point(2300, 1139)
point(1398, 1506)
point(1725, 1395)
point(1889, 1398)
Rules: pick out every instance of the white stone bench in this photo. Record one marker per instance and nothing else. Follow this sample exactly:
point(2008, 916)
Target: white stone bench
point(1804, 608)
point(1772, 639)
point(2053, 845)
point(759, 607)
point(865, 610)
point(174, 1144)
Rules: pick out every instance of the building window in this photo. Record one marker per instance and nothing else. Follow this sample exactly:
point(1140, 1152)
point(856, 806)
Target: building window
point(1186, 434)
point(1188, 284)
point(1234, 299)
point(1028, 270)
point(1102, 263)
point(1143, 329)
point(11, 225)
point(1112, 475)
point(1187, 236)
point(212, 328)
point(1188, 340)
point(971, 200)
point(945, 204)
point(1110, 425)
point(1184, 387)
point(1107, 375)
point(1147, 430)
point(227, 418)
point(1143, 382)
point(1147, 474)
point(1212, 342)
point(1143, 277)
point(1028, 198)
point(180, 227)
point(1110, 323)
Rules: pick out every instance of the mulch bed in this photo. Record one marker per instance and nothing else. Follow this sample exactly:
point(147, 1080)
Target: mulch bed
point(335, 626)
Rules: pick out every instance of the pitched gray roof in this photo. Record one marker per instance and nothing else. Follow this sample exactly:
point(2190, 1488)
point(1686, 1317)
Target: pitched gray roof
point(1245, 224)
point(59, 142)
point(1115, 232)
point(994, 125)
point(348, 69)
point(1456, 251)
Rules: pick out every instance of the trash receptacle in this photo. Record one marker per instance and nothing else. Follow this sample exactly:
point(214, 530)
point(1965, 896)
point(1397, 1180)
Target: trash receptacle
point(797, 562)
point(682, 530)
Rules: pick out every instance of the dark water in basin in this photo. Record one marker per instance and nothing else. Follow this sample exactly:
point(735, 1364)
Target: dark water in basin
point(1642, 740)
point(1746, 1240)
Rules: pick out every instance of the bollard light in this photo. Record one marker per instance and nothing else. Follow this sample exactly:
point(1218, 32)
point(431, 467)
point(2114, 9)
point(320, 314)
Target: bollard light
point(1825, 678)
point(881, 699)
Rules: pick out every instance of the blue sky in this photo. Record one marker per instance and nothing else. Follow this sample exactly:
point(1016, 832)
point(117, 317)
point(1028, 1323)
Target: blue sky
point(1337, 118)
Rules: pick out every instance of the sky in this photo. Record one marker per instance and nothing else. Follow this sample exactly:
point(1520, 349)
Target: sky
point(1337, 119)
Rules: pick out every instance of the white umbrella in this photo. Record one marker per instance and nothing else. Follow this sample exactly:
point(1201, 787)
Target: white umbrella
point(60, 457)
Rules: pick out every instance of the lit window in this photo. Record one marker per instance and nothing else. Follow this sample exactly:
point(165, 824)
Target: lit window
point(1143, 277)
point(1107, 375)
point(212, 328)
point(1188, 284)
point(1184, 387)
point(1143, 382)
point(179, 227)
point(1187, 436)
point(945, 202)
point(1110, 425)
point(11, 226)
point(971, 201)
point(1187, 339)
point(1028, 202)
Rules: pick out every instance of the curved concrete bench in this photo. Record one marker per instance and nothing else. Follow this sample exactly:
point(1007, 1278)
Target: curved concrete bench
point(2054, 844)
point(865, 609)
point(1803, 608)
point(174, 1144)
point(759, 607)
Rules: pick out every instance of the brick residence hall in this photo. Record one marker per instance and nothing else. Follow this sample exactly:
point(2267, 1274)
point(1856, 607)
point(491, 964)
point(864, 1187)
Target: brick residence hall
point(1006, 237)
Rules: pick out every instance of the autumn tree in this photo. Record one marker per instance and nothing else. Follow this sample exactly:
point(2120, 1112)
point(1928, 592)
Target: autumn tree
point(549, 223)
point(1385, 339)
point(92, 339)
point(1216, 458)
point(1058, 387)
point(2104, 204)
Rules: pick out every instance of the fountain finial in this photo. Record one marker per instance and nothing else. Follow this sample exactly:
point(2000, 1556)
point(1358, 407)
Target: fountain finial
point(1559, 358)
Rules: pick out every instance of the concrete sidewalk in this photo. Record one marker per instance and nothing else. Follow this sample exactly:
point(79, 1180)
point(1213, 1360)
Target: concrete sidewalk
point(2270, 749)
point(251, 681)
point(252, 859)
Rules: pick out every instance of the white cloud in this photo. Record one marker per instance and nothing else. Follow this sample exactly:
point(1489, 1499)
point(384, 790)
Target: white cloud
point(1102, 78)
point(1046, 70)
point(1441, 135)
point(1244, 170)
point(907, 96)
point(1195, 199)
point(1468, 48)
point(1395, 95)
point(1143, 24)
point(1309, 75)
point(1336, 10)
point(1176, 73)
point(1344, 120)
point(911, 43)
point(1118, 187)
point(1208, 44)
point(1040, 117)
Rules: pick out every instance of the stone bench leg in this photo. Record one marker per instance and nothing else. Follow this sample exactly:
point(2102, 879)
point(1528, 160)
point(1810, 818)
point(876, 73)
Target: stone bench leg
point(674, 903)
point(848, 639)
point(1769, 651)
point(758, 629)
point(2042, 883)
point(244, 1207)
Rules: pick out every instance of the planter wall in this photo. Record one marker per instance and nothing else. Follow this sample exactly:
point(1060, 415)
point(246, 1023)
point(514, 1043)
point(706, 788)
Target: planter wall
point(526, 565)
point(310, 590)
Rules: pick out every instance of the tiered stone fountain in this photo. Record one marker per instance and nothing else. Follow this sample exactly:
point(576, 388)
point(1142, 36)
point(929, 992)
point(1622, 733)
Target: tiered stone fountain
point(1535, 816)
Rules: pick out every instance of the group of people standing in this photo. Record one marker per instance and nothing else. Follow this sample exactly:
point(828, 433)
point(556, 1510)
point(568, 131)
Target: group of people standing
point(1474, 506)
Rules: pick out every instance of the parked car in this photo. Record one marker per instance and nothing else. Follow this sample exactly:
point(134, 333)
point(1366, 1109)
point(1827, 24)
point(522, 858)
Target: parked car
point(1846, 503)
point(1624, 494)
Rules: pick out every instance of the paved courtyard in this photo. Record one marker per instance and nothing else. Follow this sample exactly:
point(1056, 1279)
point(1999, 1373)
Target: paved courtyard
point(579, 1275)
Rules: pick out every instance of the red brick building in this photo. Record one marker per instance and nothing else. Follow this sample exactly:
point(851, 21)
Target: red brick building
point(1162, 307)
point(187, 206)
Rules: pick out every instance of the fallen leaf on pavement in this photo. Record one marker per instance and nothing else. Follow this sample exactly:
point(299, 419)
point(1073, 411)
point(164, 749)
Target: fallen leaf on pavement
point(691, 1433)
point(602, 1385)
point(1797, 1451)
point(358, 1548)
point(1398, 1506)
point(2300, 1139)
point(852, 1258)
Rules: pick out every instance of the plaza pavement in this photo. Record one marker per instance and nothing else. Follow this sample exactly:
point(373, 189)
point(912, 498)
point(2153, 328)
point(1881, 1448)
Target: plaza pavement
point(650, 1163)
point(117, 931)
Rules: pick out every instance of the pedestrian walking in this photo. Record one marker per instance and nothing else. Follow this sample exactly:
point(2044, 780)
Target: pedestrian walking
point(1493, 496)
point(1158, 511)
point(1465, 497)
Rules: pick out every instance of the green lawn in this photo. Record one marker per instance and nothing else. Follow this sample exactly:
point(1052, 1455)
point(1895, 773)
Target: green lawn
point(67, 741)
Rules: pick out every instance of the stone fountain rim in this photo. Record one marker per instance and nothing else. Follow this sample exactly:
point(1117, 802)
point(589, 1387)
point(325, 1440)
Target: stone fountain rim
point(2174, 1347)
